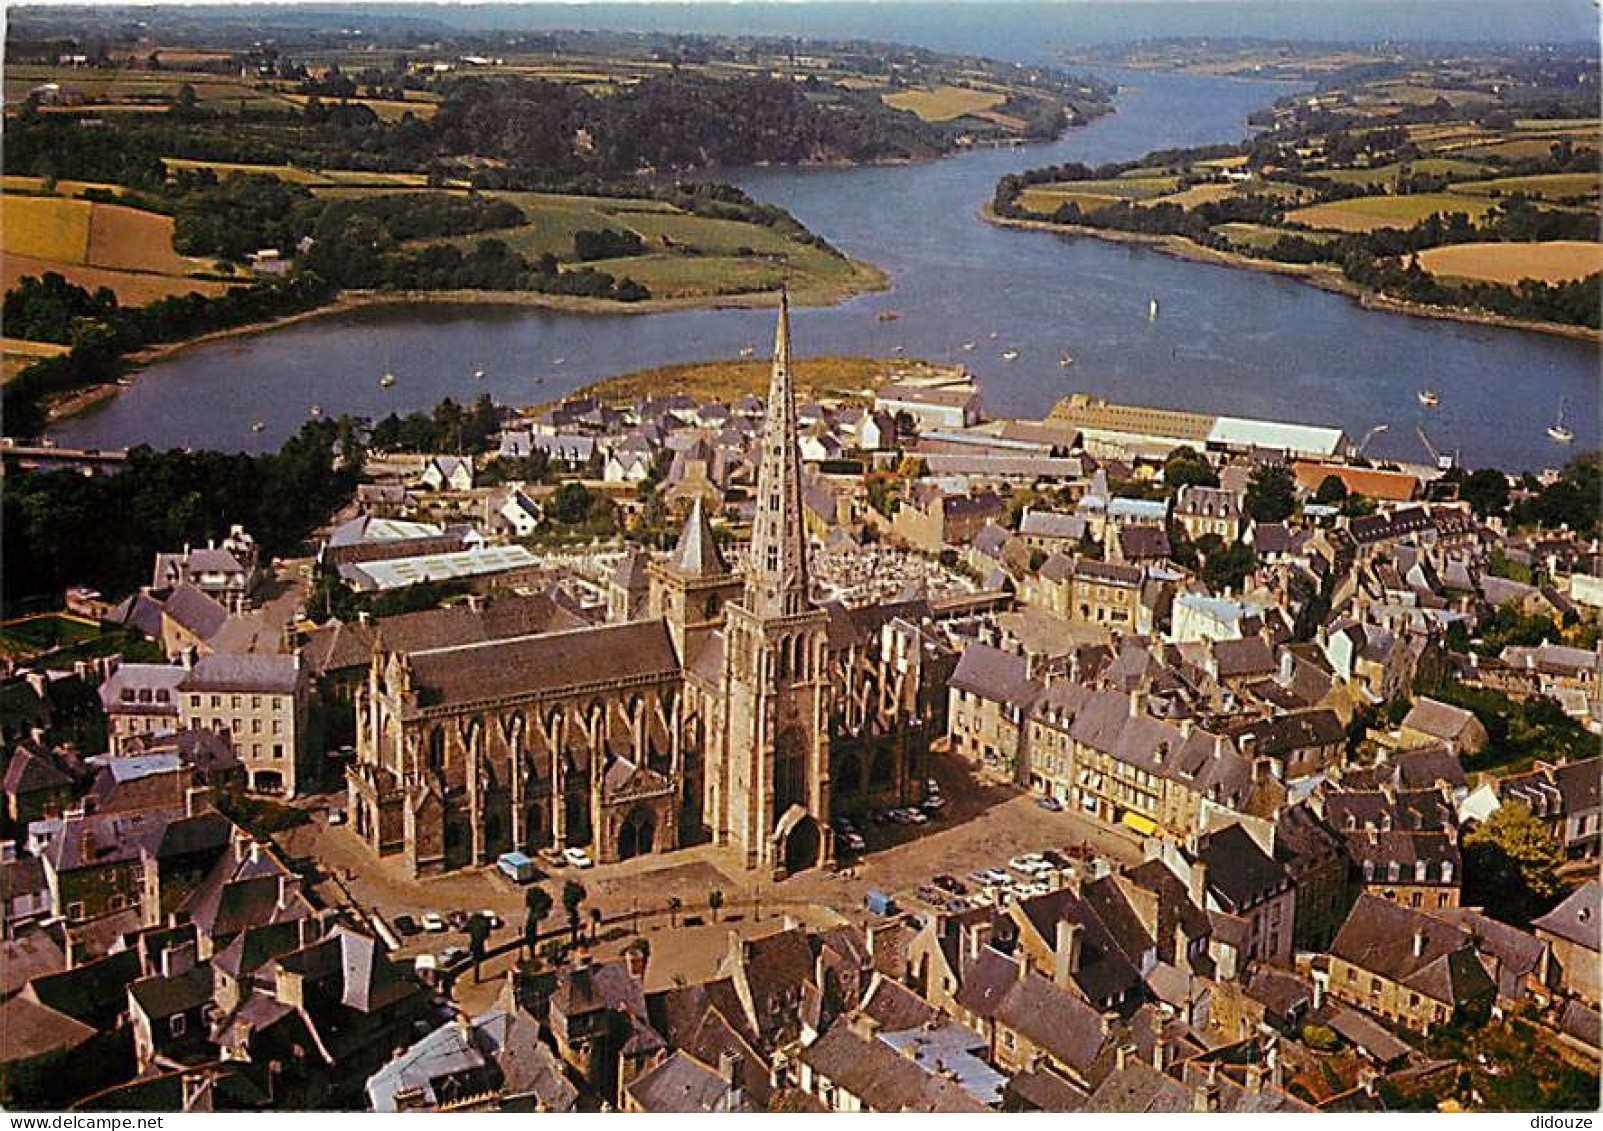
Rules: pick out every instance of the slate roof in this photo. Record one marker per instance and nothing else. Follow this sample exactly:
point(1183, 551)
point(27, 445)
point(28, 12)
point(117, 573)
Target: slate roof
point(682, 1084)
point(1439, 720)
point(994, 674)
point(274, 675)
point(884, 1079)
point(1568, 789)
point(527, 665)
point(30, 772)
point(1382, 937)
point(1239, 872)
point(1284, 734)
point(1139, 543)
point(29, 1029)
point(1578, 918)
point(195, 611)
point(1054, 1019)
point(697, 554)
point(163, 997)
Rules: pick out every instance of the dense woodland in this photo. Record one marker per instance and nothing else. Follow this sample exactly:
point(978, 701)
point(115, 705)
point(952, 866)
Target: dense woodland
point(163, 500)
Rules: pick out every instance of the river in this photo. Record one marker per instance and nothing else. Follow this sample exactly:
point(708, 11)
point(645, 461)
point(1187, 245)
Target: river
point(1227, 340)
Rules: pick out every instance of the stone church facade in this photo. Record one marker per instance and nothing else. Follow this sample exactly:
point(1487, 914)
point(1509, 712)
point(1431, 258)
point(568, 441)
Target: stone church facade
point(733, 707)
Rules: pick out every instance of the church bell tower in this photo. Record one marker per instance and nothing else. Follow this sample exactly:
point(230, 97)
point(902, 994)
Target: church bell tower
point(776, 787)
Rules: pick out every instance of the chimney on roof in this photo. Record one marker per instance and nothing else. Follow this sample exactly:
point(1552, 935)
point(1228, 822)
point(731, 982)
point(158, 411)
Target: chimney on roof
point(1205, 1095)
point(1199, 884)
point(1138, 702)
point(177, 959)
point(197, 800)
point(1123, 1057)
point(1254, 1079)
point(1419, 941)
point(1066, 953)
point(977, 936)
point(255, 851)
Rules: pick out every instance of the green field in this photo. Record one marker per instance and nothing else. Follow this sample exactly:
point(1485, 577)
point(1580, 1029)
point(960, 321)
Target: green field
point(1367, 213)
point(686, 255)
point(820, 377)
point(1549, 186)
point(1264, 235)
point(1388, 174)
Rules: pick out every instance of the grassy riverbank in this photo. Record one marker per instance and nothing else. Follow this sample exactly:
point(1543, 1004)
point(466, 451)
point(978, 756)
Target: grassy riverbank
point(824, 378)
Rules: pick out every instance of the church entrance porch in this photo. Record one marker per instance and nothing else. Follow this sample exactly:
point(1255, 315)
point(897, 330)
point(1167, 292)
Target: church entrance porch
point(798, 842)
point(638, 834)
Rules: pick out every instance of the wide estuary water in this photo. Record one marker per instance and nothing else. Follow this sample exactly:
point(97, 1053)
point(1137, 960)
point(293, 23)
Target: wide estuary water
point(1229, 340)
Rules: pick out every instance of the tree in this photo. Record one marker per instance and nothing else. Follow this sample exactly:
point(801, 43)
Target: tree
point(1486, 491)
point(536, 906)
point(641, 947)
point(1511, 864)
point(674, 904)
point(715, 900)
point(1332, 489)
point(570, 504)
point(1186, 467)
point(1271, 494)
point(478, 930)
point(595, 923)
point(573, 897)
point(1227, 567)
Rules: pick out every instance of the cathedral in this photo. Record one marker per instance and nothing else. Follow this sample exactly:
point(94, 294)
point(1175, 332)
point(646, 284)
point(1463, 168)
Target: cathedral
point(734, 708)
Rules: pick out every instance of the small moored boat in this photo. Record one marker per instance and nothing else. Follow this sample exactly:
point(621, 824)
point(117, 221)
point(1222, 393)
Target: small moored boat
point(387, 380)
point(1009, 355)
point(1430, 398)
point(1559, 431)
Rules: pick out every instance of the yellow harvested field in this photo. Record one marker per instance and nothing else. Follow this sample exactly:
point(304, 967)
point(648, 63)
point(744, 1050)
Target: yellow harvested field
point(943, 103)
point(130, 239)
point(312, 178)
point(16, 354)
point(132, 287)
point(15, 183)
point(1558, 261)
point(45, 227)
point(1198, 194)
point(1368, 213)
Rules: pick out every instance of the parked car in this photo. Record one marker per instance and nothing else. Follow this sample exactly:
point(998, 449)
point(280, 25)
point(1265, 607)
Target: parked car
point(451, 955)
point(1050, 804)
point(991, 877)
point(1030, 863)
point(934, 803)
point(336, 816)
point(950, 883)
point(491, 918)
point(433, 922)
point(1057, 859)
point(426, 964)
point(457, 920)
point(929, 893)
point(405, 926)
point(578, 857)
point(853, 841)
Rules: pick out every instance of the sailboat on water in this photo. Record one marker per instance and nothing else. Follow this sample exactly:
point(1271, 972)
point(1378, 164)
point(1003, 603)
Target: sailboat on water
point(1152, 310)
point(1558, 430)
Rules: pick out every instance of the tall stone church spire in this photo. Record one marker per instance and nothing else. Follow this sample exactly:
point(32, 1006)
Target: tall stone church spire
point(776, 575)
